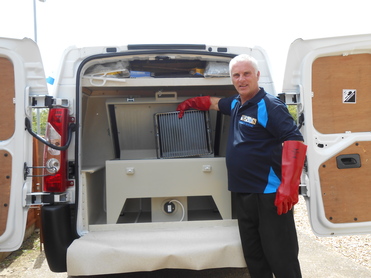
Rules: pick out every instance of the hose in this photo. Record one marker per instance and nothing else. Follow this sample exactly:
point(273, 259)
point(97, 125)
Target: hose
point(71, 128)
point(181, 205)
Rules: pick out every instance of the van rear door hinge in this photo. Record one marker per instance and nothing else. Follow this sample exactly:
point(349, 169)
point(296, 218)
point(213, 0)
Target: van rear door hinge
point(289, 98)
point(45, 101)
point(45, 198)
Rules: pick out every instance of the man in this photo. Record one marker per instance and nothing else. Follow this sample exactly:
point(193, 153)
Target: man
point(265, 156)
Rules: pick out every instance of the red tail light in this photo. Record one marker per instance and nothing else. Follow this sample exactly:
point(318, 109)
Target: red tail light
point(55, 179)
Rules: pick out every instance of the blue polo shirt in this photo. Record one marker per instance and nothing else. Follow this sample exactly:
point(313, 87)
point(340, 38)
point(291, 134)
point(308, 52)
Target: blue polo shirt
point(254, 150)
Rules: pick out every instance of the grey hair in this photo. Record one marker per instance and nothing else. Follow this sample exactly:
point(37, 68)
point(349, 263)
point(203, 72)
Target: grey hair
point(243, 58)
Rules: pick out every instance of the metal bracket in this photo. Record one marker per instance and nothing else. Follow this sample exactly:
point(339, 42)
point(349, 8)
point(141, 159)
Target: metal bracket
point(45, 101)
point(71, 170)
point(26, 171)
point(303, 190)
point(288, 98)
point(37, 199)
point(44, 198)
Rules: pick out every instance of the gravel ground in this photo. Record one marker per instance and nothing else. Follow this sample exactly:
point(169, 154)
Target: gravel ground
point(356, 248)
point(30, 262)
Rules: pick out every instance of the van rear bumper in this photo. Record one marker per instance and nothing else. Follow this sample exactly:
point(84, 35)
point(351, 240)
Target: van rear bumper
point(196, 245)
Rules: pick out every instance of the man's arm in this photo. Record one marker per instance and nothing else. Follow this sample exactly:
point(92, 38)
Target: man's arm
point(214, 103)
point(200, 103)
point(293, 157)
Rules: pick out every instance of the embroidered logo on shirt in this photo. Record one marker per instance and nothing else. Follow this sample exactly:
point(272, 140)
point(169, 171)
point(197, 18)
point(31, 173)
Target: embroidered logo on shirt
point(247, 120)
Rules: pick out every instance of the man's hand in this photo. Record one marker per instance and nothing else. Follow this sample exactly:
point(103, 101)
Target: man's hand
point(199, 103)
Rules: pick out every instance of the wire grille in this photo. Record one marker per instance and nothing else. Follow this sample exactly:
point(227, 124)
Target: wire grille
point(186, 137)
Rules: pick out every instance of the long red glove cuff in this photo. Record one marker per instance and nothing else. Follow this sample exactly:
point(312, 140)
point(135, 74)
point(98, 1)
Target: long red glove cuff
point(293, 157)
point(199, 103)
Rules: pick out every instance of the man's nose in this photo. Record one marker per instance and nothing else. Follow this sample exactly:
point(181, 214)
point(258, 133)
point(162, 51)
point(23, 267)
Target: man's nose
point(241, 78)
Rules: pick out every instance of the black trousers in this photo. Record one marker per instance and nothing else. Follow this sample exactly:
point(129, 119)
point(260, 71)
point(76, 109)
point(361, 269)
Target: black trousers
point(269, 240)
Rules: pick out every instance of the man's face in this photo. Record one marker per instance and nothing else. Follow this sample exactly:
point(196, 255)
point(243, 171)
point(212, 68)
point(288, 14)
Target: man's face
point(245, 80)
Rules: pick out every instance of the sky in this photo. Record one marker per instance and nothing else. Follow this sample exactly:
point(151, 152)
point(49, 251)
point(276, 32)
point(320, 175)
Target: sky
point(270, 24)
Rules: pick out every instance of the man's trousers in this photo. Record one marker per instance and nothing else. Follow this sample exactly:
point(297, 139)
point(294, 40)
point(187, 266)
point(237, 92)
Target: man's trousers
point(269, 240)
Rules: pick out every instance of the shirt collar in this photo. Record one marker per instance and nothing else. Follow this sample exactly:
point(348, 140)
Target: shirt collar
point(255, 99)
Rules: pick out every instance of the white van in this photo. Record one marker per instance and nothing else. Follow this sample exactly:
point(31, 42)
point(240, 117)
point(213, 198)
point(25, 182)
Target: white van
point(127, 186)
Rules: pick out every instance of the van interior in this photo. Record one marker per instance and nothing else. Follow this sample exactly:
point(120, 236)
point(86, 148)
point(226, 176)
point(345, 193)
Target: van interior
point(140, 162)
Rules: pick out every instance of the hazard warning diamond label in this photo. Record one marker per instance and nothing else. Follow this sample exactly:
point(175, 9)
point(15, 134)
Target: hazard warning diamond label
point(349, 95)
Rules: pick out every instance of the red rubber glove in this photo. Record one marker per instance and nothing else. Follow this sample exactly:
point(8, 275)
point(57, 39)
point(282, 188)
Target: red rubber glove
point(293, 156)
point(199, 103)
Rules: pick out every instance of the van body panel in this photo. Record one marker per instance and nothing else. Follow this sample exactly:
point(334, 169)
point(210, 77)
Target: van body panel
point(22, 76)
point(330, 78)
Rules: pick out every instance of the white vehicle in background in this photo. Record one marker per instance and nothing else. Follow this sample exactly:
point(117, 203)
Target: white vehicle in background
point(127, 186)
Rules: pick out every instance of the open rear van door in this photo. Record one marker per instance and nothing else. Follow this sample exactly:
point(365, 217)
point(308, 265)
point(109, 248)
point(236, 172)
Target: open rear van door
point(21, 77)
point(330, 81)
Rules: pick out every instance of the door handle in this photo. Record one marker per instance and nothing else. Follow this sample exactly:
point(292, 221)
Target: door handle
point(347, 161)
